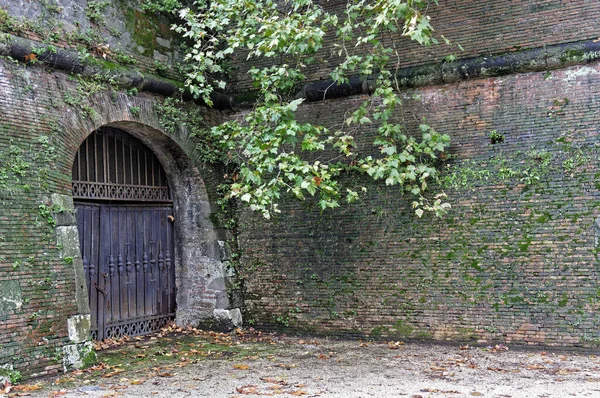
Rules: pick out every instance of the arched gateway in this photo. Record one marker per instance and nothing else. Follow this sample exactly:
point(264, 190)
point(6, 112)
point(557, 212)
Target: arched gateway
point(125, 223)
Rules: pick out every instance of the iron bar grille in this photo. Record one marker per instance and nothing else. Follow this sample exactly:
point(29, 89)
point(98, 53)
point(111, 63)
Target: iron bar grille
point(113, 165)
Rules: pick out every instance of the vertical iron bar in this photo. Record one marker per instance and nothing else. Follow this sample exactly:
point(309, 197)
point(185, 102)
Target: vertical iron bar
point(159, 174)
point(105, 157)
point(123, 157)
point(153, 184)
point(87, 169)
point(131, 161)
point(138, 157)
point(78, 158)
point(145, 167)
point(95, 158)
point(116, 159)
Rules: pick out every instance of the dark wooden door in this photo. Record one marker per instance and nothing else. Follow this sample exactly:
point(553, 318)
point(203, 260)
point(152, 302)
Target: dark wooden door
point(123, 205)
point(127, 254)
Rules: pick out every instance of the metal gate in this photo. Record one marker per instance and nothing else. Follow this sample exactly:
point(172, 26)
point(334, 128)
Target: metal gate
point(126, 242)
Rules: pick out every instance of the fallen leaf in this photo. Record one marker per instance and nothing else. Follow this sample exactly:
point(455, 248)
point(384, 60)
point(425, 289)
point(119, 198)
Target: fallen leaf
point(497, 348)
point(96, 368)
point(535, 367)
point(247, 389)
point(440, 391)
point(394, 345)
point(241, 366)
point(298, 393)
point(273, 380)
point(113, 373)
point(497, 369)
point(28, 387)
point(6, 387)
point(476, 394)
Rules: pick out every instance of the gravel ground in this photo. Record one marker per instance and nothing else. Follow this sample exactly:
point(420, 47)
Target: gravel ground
point(271, 365)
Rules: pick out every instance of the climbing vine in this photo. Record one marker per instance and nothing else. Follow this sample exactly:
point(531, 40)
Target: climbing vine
point(269, 146)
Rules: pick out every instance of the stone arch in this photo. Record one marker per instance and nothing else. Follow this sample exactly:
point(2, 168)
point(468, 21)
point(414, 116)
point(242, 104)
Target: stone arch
point(200, 276)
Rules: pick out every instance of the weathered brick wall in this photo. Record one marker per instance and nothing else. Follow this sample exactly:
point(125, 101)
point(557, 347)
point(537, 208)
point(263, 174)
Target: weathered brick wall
point(482, 28)
point(515, 260)
point(41, 128)
point(495, 27)
point(113, 58)
point(33, 317)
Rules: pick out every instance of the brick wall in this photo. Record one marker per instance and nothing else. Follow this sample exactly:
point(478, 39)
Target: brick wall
point(482, 28)
point(43, 120)
point(515, 260)
point(33, 316)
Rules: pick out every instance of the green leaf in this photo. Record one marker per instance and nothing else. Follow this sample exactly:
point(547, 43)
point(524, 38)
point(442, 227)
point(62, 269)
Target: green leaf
point(281, 39)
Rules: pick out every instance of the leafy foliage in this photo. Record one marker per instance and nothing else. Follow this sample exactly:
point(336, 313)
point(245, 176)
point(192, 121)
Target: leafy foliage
point(270, 147)
point(166, 6)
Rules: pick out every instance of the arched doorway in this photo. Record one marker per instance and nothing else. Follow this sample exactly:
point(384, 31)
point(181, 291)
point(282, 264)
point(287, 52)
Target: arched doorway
point(124, 218)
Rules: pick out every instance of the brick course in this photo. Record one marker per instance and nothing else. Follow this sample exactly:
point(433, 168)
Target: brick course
point(514, 260)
